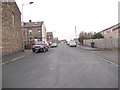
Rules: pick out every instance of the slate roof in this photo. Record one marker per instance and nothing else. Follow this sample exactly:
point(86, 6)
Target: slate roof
point(49, 33)
point(33, 24)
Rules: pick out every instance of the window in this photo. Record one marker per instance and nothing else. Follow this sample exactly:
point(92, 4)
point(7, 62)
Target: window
point(35, 37)
point(13, 19)
point(35, 23)
point(39, 31)
point(108, 31)
point(30, 32)
point(119, 30)
point(24, 32)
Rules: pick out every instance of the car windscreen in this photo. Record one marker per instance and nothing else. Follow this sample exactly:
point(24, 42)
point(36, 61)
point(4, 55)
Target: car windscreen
point(39, 43)
point(46, 43)
point(72, 42)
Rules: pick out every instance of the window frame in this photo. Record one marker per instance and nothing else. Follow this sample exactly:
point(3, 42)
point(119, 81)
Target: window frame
point(13, 18)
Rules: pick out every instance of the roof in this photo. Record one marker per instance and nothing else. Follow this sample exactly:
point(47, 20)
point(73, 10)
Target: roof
point(118, 25)
point(49, 33)
point(116, 28)
point(33, 24)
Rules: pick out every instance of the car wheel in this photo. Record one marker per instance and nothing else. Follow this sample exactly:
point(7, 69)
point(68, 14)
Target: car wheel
point(36, 51)
point(33, 50)
point(44, 50)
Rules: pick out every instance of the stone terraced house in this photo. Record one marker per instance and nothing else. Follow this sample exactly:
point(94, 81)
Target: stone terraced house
point(11, 28)
point(34, 31)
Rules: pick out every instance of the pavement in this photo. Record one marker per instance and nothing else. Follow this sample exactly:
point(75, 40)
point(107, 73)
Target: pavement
point(15, 56)
point(108, 54)
point(92, 49)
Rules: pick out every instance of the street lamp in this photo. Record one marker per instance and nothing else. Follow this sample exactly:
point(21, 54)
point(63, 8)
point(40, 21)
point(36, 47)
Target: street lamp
point(31, 2)
point(23, 42)
point(22, 9)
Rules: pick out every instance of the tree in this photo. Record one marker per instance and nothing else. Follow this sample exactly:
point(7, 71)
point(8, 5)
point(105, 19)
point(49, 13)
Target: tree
point(80, 39)
point(97, 36)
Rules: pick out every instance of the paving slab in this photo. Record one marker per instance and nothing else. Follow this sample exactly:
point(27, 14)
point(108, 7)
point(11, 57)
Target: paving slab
point(10, 57)
point(108, 54)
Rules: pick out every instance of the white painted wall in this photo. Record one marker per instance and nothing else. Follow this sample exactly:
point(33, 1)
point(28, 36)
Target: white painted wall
point(106, 43)
point(44, 34)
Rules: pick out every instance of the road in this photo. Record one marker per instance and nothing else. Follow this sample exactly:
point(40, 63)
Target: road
point(61, 67)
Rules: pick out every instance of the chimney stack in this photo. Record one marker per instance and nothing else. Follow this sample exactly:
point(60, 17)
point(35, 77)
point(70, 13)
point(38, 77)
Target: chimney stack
point(30, 20)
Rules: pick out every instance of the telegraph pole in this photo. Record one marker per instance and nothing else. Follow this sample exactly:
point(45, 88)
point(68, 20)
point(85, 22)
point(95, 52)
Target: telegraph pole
point(75, 33)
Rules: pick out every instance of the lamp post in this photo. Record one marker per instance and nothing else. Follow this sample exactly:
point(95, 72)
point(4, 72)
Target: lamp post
point(23, 38)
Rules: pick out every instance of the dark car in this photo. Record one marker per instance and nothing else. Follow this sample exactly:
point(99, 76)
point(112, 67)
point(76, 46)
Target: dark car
point(40, 46)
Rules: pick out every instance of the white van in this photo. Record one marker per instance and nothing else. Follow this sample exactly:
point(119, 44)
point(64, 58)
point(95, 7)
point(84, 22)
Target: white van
point(72, 44)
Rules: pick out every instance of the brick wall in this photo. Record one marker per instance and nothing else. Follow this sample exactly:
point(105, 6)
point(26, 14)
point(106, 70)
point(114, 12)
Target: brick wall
point(11, 33)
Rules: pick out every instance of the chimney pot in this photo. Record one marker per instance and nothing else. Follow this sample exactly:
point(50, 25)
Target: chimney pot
point(30, 20)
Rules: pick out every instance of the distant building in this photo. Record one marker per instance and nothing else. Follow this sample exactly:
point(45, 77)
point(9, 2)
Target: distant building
point(55, 40)
point(11, 28)
point(63, 41)
point(49, 37)
point(34, 31)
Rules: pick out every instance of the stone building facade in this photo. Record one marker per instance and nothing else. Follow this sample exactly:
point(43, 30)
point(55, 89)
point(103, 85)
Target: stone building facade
point(11, 28)
point(0, 27)
point(34, 31)
point(49, 37)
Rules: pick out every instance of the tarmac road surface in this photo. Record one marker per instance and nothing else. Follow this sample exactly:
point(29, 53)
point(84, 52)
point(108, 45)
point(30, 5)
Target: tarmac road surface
point(61, 67)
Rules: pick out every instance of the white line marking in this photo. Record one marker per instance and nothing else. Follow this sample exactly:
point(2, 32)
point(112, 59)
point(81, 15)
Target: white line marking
point(111, 62)
point(107, 60)
point(13, 60)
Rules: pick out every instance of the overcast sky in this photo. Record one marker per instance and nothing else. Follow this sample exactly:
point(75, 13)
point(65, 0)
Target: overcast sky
point(61, 16)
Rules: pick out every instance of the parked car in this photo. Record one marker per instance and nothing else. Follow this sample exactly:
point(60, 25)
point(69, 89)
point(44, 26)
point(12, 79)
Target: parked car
point(72, 44)
point(47, 44)
point(53, 45)
point(40, 46)
point(68, 43)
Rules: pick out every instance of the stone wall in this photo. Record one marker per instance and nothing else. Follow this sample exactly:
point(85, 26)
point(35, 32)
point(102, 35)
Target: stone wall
point(11, 33)
point(0, 27)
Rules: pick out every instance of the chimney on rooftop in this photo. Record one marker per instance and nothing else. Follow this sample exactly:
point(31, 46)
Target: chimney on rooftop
point(30, 20)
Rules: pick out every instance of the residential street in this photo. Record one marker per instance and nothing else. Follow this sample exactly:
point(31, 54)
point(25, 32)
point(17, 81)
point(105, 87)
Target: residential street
point(61, 67)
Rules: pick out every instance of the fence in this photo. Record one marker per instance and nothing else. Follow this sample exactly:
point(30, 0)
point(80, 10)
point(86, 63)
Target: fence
point(106, 43)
